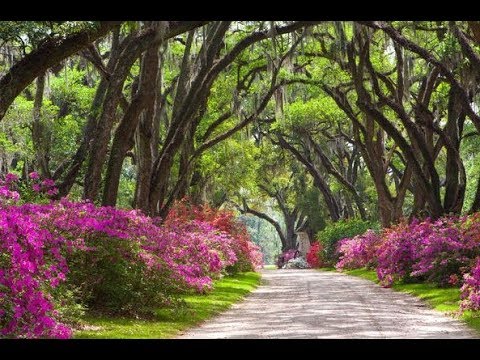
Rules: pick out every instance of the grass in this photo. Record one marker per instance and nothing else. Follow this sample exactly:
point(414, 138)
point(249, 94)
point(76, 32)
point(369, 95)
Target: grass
point(269, 267)
point(170, 322)
point(441, 299)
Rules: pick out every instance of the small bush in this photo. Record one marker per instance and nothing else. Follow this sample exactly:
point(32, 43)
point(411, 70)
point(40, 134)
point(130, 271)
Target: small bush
point(297, 263)
point(314, 255)
point(336, 231)
point(286, 256)
point(359, 251)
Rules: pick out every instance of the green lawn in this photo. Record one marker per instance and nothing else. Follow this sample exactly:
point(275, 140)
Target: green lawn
point(169, 322)
point(269, 267)
point(441, 299)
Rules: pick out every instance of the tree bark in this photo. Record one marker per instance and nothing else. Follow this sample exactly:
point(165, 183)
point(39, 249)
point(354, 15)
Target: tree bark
point(327, 164)
point(318, 180)
point(124, 134)
point(73, 166)
point(145, 39)
point(40, 137)
point(455, 183)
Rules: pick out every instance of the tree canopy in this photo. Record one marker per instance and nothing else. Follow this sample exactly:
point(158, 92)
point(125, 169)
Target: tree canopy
point(297, 123)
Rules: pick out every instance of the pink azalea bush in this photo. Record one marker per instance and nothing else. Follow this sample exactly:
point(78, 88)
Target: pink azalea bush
point(438, 252)
point(57, 257)
point(396, 255)
point(470, 290)
point(31, 266)
point(248, 254)
point(359, 251)
point(445, 252)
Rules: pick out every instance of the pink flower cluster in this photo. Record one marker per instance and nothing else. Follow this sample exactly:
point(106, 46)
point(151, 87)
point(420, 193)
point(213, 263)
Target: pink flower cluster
point(31, 265)
point(470, 290)
point(286, 256)
point(359, 251)
point(444, 252)
point(76, 246)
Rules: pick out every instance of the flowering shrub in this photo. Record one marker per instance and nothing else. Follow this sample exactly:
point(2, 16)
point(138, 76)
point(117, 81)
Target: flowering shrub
point(286, 256)
point(33, 189)
point(441, 252)
point(336, 231)
point(314, 258)
point(296, 263)
point(433, 251)
point(359, 251)
point(396, 255)
point(470, 291)
point(58, 257)
point(31, 266)
point(443, 255)
point(248, 254)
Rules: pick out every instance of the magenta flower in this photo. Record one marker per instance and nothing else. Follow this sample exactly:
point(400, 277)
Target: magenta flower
point(48, 183)
point(11, 178)
point(34, 175)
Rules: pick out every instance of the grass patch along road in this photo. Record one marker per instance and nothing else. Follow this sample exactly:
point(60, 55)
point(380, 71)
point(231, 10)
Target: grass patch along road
point(170, 323)
point(441, 299)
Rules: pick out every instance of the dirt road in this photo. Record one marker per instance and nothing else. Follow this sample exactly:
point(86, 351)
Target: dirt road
point(313, 304)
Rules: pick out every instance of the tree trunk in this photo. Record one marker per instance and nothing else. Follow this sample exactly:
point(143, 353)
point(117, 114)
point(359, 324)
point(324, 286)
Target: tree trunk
point(98, 152)
point(145, 39)
point(73, 166)
point(124, 134)
point(40, 137)
point(290, 234)
point(318, 180)
point(455, 183)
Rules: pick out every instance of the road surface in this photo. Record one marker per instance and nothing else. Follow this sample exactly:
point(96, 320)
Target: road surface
point(313, 304)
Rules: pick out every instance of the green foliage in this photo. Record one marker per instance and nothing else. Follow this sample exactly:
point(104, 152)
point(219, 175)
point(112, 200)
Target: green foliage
point(264, 235)
point(123, 288)
point(33, 33)
point(335, 231)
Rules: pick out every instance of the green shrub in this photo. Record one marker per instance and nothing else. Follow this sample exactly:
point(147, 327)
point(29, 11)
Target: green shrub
point(336, 231)
point(113, 279)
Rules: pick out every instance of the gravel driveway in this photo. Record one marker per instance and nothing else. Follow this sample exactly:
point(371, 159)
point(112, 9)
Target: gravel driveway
point(314, 304)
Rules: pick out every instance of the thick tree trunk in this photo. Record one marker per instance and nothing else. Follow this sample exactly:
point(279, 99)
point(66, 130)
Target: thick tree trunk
point(72, 167)
point(40, 137)
point(98, 151)
point(143, 151)
point(124, 134)
point(144, 40)
point(454, 183)
point(290, 234)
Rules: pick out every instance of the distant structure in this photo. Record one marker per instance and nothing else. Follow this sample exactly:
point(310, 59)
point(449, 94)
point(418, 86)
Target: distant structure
point(303, 242)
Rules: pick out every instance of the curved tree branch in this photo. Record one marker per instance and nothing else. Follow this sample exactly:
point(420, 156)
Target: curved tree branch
point(47, 55)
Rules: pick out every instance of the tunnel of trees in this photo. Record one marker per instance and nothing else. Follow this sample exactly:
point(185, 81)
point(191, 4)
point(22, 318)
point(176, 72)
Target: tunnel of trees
point(295, 123)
